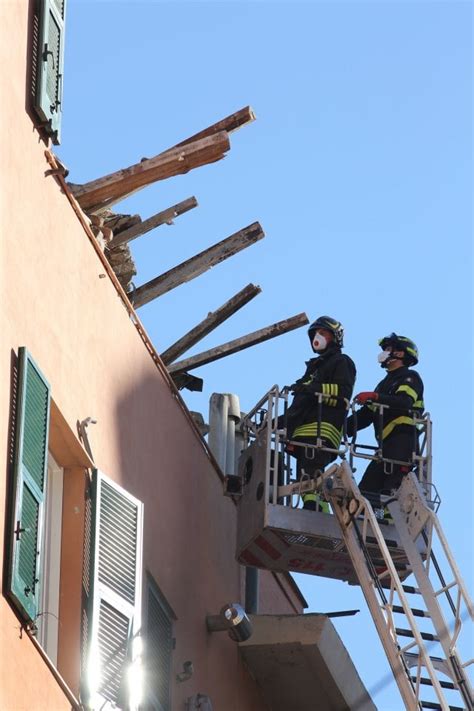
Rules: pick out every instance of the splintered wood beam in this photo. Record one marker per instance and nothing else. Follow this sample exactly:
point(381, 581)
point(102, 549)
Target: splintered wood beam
point(165, 217)
point(214, 319)
point(178, 160)
point(198, 264)
point(229, 124)
point(239, 344)
point(188, 381)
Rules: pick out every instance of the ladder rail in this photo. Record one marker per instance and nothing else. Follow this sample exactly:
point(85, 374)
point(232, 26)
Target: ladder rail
point(455, 606)
point(382, 613)
point(453, 565)
point(390, 647)
point(374, 576)
point(411, 502)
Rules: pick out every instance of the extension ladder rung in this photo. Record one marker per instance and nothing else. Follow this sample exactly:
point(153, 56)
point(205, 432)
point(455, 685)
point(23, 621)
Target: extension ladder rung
point(399, 567)
point(445, 588)
point(428, 682)
point(424, 635)
point(390, 543)
point(374, 562)
point(411, 589)
point(438, 662)
point(415, 611)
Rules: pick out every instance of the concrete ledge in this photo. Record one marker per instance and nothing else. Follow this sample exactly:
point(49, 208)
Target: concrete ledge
point(300, 663)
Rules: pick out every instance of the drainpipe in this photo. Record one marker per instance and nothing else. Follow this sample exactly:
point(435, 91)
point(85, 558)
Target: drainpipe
point(225, 442)
point(251, 590)
point(217, 437)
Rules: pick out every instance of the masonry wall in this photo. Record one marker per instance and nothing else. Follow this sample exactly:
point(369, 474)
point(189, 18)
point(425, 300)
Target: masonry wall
point(57, 301)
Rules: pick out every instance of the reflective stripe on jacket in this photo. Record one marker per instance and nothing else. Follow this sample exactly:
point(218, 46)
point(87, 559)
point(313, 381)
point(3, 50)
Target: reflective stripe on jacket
point(332, 373)
point(402, 391)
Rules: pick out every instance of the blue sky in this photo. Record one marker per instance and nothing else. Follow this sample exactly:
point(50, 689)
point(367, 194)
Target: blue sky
point(359, 168)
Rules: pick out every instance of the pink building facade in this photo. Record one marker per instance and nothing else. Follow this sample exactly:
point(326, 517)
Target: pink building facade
point(128, 543)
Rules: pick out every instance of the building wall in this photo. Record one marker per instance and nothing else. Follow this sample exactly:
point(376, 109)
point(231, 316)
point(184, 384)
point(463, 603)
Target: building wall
point(59, 303)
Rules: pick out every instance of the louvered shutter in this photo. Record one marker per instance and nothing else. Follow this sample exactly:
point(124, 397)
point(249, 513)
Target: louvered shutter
point(29, 485)
point(158, 650)
point(48, 64)
point(113, 617)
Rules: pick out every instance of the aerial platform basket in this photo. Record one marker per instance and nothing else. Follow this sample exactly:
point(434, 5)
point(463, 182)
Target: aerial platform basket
point(353, 545)
point(282, 538)
point(272, 533)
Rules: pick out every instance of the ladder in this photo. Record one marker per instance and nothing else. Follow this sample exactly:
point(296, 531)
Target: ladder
point(421, 640)
point(446, 602)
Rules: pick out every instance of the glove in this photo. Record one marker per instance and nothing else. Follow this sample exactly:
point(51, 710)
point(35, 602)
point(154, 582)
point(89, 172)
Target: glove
point(362, 398)
point(310, 388)
point(298, 388)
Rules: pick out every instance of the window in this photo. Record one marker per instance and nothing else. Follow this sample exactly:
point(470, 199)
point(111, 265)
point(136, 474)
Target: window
point(48, 64)
point(75, 563)
point(47, 621)
point(159, 644)
point(30, 475)
point(112, 589)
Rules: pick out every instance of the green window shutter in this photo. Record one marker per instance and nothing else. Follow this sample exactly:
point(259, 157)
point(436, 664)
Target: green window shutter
point(158, 650)
point(29, 485)
point(112, 586)
point(48, 64)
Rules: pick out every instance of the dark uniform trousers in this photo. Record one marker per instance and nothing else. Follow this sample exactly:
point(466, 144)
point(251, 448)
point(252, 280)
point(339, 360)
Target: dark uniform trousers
point(385, 477)
point(332, 374)
point(310, 461)
point(402, 391)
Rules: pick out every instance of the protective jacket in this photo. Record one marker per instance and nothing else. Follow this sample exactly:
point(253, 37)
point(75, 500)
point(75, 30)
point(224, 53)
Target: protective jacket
point(402, 390)
point(331, 373)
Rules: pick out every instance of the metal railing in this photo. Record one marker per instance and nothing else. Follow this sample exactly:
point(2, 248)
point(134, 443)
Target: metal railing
point(421, 458)
point(268, 420)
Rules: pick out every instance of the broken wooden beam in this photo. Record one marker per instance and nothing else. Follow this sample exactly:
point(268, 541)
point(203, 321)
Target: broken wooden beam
point(229, 123)
point(165, 217)
point(198, 264)
point(188, 381)
point(239, 344)
point(115, 186)
point(214, 319)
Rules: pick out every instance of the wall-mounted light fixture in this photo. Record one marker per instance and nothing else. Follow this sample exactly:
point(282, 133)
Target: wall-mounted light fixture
point(232, 618)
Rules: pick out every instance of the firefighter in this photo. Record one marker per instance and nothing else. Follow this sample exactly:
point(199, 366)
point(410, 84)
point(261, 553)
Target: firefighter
point(395, 430)
point(331, 373)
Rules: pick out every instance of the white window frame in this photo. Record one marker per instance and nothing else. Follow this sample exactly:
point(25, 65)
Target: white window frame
point(47, 622)
point(102, 592)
